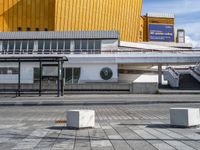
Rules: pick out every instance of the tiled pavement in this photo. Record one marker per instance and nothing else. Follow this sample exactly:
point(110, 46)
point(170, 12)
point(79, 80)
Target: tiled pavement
point(120, 127)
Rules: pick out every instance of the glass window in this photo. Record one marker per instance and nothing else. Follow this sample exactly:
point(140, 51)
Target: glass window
point(60, 46)
point(68, 78)
point(17, 46)
point(47, 46)
point(3, 70)
point(30, 46)
point(9, 70)
point(77, 46)
point(40, 46)
point(84, 46)
point(24, 45)
point(67, 46)
point(15, 71)
point(76, 75)
point(11, 46)
point(97, 46)
point(72, 75)
point(54, 45)
point(36, 74)
point(90, 44)
point(5, 46)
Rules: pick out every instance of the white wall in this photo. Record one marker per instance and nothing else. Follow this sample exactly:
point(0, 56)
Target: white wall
point(91, 72)
point(26, 73)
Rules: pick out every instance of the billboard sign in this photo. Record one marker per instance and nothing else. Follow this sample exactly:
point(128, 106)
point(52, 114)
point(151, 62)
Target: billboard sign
point(161, 33)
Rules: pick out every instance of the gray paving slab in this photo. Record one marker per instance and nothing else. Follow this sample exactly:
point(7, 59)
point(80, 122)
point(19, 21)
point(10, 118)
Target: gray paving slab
point(138, 127)
point(82, 140)
point(135, 141)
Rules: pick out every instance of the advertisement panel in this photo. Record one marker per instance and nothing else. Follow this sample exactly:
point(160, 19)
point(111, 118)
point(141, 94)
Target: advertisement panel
point(162, 33)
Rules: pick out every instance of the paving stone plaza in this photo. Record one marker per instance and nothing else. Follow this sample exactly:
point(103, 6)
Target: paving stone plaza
point(118, 127)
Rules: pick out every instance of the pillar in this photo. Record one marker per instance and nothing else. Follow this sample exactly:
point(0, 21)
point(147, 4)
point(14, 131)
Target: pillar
point(19, 77)
point(40, 84)
point(160, 74)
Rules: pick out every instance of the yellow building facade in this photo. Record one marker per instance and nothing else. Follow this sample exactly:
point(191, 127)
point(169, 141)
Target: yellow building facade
point(73, 15)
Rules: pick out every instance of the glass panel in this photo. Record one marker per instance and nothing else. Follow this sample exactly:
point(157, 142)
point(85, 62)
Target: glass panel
point(67, 46)
point(77, 46)
point(5, 46)
point(40, 46)
point(47, 47)
point(90, 45)
point(30, 46)
point(54, 45)
point(84, 46)
point(36, 74)
point(24, 45)
point(60, 46)
point(97, 46)
point(77, 73)
point(68, 78)
point(9, 70)
point(11, 47)
point(17, 46)
point(15, 71)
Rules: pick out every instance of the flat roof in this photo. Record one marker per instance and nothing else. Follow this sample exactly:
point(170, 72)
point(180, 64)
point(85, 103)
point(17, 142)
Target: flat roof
point(160, 15)
point(33, 35)
point(17, 58)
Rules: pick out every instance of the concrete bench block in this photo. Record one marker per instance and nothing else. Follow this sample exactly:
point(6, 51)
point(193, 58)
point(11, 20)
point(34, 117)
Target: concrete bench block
point(184, 117)
point(81, 119)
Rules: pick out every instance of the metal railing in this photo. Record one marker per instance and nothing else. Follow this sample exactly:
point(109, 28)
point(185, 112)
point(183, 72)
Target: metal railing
point(68, 52)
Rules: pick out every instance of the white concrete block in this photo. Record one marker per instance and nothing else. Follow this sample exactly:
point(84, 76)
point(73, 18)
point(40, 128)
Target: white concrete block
point(184, 117)
point(81, 119)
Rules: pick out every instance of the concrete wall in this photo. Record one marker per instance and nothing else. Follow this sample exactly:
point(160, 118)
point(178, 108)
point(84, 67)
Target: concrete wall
point(144, 88)
point(135, 88)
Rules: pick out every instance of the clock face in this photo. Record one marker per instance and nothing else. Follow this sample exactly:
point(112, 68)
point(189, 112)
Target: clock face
point(106, 73)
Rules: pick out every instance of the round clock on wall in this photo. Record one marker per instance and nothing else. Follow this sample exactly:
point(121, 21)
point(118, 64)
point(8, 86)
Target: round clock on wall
point(106, 73)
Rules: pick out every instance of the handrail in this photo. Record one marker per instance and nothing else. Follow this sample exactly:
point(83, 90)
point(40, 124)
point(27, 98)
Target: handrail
point(7, 52)
point(174, 71)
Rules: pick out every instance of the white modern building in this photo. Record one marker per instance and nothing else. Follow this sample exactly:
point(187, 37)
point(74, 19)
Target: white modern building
point(38, 61)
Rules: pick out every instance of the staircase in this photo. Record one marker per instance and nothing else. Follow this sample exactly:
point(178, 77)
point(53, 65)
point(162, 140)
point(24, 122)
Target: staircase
point(172, 77)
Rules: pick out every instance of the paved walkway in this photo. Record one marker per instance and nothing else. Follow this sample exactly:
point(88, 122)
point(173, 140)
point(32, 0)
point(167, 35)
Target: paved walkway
point(118, 127)
point(98, 99)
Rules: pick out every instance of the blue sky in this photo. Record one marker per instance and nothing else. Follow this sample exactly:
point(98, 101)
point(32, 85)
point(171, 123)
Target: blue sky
point(187, 14)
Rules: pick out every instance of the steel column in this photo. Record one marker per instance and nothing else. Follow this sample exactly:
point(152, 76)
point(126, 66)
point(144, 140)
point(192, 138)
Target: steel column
point(62, 81)
point(160, 74)
point(19, 78)
point(58, 81)
point(40, 84)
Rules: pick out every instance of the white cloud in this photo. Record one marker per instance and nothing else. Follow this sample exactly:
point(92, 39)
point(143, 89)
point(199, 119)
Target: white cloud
point(192, 32)
point(195, 43)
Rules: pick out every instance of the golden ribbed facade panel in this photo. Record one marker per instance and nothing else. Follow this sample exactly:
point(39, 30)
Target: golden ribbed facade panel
point(72, 15)
point(121, 15)
point(27, 15)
